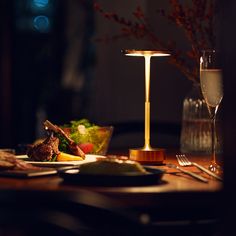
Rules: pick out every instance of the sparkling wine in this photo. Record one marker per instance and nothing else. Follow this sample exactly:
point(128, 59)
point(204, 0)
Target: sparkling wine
point(211, 85)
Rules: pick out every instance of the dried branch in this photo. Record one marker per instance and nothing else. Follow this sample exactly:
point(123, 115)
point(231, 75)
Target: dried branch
point(196, 20)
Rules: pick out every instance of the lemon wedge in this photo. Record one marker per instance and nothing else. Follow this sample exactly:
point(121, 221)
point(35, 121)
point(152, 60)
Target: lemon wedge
point(68, 157)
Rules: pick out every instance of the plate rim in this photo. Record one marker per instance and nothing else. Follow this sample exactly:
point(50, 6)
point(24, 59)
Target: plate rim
point(60, 163)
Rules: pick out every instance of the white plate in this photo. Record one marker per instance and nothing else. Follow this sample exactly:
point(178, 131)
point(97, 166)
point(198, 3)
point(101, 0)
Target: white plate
point(23, 157)
point(88, 158)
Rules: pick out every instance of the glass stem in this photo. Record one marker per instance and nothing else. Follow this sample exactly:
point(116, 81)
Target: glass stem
point(213, 138)
point(213, 134)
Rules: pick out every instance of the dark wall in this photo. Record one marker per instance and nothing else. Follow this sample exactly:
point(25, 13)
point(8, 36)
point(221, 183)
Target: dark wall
point(50, 73)
point(36, 63)
point(5, 72)
point(46, 60)
point(228, 48)
point(120, 79)
point(52, 79)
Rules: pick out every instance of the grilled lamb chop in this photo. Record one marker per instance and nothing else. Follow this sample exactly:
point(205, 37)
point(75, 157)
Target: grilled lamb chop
point(44, 151)
point(73, 146)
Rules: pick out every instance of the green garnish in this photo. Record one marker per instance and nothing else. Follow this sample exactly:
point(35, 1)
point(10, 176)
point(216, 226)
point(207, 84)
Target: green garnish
point(83, 131)
point(54, 158)
point(75, 123)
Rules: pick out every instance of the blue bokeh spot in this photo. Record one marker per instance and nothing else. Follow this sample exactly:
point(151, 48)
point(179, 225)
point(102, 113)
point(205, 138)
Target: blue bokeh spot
point(41, 23)
point(40, 3)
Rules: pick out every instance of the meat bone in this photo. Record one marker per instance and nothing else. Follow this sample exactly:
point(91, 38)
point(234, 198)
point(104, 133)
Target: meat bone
point(73, 146)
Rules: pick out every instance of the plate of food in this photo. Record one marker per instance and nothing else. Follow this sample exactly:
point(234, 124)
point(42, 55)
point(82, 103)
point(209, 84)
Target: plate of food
point(70, 160)
point(76, 143)
point(112, 172)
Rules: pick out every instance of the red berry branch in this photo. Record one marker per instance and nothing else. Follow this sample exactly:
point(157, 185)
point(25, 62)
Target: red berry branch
point(195, 19)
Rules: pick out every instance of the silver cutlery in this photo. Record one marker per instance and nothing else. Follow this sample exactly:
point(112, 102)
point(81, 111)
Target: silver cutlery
point(183, 161)
point(192, 174)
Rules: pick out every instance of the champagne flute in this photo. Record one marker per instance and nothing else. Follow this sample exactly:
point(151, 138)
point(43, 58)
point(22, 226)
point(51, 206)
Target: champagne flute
point(212, 90)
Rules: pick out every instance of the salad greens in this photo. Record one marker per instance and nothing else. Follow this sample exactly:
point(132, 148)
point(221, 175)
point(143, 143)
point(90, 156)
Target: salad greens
point(91, 138)
point(76, 123)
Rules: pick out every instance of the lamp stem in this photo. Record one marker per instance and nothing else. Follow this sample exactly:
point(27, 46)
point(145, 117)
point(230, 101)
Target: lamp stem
point(147, 103)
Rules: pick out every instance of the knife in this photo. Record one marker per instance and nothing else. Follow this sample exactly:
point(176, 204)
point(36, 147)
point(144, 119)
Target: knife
point(192, 174)
point(207, 171)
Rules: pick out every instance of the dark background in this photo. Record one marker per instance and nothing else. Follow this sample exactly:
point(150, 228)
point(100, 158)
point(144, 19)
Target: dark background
point(53, 68)
point(36, 42)
point(35, 82)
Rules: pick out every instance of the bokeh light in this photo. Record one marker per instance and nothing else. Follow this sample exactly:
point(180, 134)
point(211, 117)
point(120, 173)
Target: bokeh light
point(41, 23)
point(40, 3)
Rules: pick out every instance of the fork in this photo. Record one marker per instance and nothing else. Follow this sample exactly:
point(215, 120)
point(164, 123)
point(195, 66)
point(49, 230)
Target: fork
point(183, 161)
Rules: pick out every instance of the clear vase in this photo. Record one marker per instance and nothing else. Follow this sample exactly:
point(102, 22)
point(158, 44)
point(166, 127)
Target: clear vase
point(196, 124)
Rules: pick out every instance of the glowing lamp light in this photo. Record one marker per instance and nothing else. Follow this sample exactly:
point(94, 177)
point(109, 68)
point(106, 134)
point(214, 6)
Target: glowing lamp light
point(139, 53)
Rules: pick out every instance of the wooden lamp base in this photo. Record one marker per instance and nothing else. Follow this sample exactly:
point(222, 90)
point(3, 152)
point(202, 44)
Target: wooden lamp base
point(150, 156)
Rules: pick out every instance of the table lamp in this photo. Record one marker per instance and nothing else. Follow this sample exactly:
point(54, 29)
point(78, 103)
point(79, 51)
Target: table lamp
point(147, 154)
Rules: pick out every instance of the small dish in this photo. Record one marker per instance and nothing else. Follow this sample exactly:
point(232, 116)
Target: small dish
point(153, 176)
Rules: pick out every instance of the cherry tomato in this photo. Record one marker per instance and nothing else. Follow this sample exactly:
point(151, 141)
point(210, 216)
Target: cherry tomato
point(86, 147)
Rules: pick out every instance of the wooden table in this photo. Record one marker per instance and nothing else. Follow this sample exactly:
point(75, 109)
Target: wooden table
point(178, 195)
point(173, 181)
